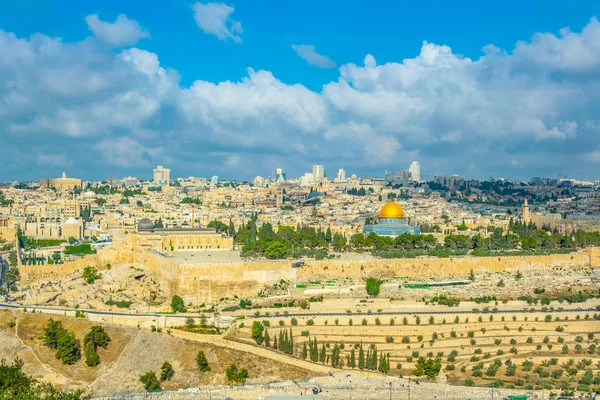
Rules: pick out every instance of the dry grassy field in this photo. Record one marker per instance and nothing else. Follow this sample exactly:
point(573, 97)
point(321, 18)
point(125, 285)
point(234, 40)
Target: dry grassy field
point(522, 350)
point(130, 353)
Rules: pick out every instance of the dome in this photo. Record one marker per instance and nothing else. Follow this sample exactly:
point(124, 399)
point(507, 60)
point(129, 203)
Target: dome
point(312, 195)
point(391, 210)
point(71, 221)
point(145, 223)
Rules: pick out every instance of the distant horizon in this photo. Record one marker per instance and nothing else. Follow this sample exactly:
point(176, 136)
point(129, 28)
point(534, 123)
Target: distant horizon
point(216, 88)
point(331, 178)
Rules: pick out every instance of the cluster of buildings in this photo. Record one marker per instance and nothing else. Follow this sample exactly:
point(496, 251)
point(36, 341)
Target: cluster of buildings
point(169, 215)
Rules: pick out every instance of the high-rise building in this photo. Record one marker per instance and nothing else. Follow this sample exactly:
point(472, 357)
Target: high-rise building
point(341, 176)
point(415, 171)
point(279, 175)
point(318, 173)
point(214, 180)
point(162, 176)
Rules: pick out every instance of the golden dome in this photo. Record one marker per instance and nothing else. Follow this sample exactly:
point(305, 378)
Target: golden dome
point(391, 210)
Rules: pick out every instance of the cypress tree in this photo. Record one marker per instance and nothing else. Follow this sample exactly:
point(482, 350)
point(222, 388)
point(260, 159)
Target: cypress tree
point(291, 341)
point(314, 351)
point(304, 351)
point(352, 360)
point(323, 354)
point(335, 356)
point(361, 357)
point(281, 341)
point(267, 339)
point(231, 228)
point(275, 343)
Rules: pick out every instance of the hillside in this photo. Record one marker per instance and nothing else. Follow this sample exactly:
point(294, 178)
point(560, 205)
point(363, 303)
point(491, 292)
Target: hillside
point(130, 353)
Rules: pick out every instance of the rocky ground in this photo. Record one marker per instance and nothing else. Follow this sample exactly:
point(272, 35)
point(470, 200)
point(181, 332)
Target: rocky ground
point(130, 353)
point(122, 283)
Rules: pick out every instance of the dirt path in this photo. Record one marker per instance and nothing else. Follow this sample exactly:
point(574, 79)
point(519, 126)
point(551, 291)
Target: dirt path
point(247, 348)
point(47, 367)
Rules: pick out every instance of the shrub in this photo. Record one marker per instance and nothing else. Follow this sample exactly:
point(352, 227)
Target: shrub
point(202, 362)
point(236, 375)
point(150, 381)
point(373, 286)
point(90, 274)
point(177, 304)
point(166, 371)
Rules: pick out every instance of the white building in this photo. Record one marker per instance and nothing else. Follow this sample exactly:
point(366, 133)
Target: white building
point(341, 175)
point(214, 180)
point(415, 171)
point(162, 176)
point(307, 179)
point(318, 173)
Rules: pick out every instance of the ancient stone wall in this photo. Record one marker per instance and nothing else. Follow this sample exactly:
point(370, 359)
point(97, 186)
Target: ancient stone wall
point(198, 283)
point(109, 255)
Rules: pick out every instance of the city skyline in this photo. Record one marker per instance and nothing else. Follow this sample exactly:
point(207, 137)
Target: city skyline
point(100, 91)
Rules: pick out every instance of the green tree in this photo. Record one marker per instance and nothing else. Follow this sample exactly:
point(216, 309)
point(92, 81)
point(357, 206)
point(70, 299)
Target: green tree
point(335, 357)
point(373, 286)
point(202, 362)
point(166, 371)
point(68, 350)
point(51, 331)
point(235, 375)
point(257, 332)
point(150, 381)
point(219, 226)
point(352, 359)
point(14, 384)
point(90, 274)
point(427, 367)
point(361, 357)
point(177, 304)
point(322, 354)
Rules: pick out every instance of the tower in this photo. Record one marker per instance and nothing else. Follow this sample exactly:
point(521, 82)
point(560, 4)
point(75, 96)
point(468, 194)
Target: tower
point(318, 173)
point(526, 218)
point(415, 171)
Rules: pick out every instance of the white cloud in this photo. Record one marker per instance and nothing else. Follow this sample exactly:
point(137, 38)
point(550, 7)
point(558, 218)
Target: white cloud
point(593, 156)
point(122, 32)
point(309, 54)
point(571, 51)
point(126, 152)
point(213, 18)
point(53, 160)
point(459, 115)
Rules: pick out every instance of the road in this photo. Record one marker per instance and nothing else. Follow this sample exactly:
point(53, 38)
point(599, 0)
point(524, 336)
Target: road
point(301, 315)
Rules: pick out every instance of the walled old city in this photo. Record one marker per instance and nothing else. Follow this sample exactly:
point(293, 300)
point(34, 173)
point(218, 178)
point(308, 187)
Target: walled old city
point(353, 286)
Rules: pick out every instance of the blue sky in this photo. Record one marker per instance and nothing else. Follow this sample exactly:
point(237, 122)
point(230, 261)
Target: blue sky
point(156, 92)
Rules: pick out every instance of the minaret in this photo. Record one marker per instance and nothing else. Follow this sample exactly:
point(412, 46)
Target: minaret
point(526, 218)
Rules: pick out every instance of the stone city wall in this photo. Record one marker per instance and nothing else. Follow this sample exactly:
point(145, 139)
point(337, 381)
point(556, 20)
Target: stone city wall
point(112, 255)
point(198, 283)
point(209, 282)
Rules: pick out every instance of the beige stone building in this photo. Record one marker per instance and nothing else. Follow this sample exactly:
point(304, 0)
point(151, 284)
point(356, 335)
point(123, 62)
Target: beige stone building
point(62, 183)
point(179, 239)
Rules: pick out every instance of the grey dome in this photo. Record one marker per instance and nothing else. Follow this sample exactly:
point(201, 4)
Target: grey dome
point(145, 223)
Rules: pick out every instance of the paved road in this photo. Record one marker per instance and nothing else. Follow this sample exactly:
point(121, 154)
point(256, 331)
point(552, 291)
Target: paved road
point(330, 314)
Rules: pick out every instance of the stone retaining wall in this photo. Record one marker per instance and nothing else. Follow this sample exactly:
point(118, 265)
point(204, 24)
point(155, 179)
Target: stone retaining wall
point(209, 282)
